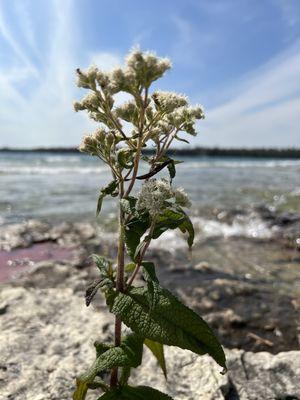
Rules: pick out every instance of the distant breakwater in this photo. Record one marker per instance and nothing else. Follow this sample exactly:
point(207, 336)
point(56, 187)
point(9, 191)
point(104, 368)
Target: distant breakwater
point(287, 153)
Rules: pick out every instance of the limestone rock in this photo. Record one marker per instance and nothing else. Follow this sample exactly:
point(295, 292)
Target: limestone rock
point(46, 340)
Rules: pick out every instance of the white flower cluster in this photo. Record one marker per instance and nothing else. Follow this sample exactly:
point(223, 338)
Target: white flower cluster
point(93, 143)
point(88, 145)
point(156, 195)
point(89, 78)
point(169, 101)
point(141, 70)
point(184, 114)
point(181, 198)
point(184, 118)
point(89, 102)
point(128, 112)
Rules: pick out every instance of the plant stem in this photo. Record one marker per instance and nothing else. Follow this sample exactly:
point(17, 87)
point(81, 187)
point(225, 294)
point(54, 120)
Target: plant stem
point(119, 285)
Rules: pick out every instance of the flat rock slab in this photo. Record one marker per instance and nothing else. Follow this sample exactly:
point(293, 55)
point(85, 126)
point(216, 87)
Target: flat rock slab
point(46, 340)
point(251, 376)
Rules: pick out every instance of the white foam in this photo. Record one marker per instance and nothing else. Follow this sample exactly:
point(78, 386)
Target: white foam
point(242, 164)
point(26, 170)
point(249, 226)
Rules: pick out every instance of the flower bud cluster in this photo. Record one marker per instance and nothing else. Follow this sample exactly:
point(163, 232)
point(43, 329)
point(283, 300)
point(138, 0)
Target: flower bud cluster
point(147, 67)
point(140, 71)
point(169, 101)
point(91, 77)
point(162, 115)
point(98, 143)
point(89, 102)
point(88, 145)
point(128, 112)
point(184, 118)
point(156, 195)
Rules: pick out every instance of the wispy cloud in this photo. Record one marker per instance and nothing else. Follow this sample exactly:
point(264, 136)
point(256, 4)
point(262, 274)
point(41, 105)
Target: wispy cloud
point(263, 109)
point(15, 46)
point(44, 116)
point(37, 80)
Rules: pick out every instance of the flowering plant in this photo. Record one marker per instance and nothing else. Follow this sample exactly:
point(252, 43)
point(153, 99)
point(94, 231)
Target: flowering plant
point(154, 315)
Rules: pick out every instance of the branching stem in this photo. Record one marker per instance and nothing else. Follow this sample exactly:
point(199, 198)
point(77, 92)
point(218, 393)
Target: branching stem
point(119, 283)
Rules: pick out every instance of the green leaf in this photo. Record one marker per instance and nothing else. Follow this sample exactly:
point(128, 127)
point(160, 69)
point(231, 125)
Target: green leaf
point(109, 189)
point(133, 232)
point(170, 219)
point(187, 226)
point(128, 354)
point(172, 169)
point(169, 322)
point(181, 140)
point(125, 375)
point(91, 291)
point(148, 270)
point(173, 218)
point(157, 350)
point(105, 281)
point(135, 393)
point(102, 263)
point(111, 395)
point(130, 267)
point(124, 158)
point(101, 347)
point(139, 249)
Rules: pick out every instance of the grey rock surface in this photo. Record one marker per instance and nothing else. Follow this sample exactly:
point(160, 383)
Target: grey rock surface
point(46, 340)
point(251, 376)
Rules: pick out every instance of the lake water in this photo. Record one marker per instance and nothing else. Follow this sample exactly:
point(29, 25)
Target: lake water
point(225, 192)
point(65, 186)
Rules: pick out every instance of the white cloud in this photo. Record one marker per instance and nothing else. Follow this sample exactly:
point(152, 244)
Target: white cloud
point(45, 116)
point(106, 60)
point(263, 110)
point(15, 46)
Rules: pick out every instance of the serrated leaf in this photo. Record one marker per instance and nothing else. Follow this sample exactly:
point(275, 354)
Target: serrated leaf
point(102, 263)
point(169, 322)
point(170, 219)
point(99, 203)
point(133, 232)
point(125, 375)
point(101, 347)
point(105, 281)
point(148, 270)
point(173, 218)
point(157, 350)
point(91, 291)
point(135, 393)
point(128, 354)
point(140, 247)
point(187, 226)
point(124, 158)
point(109, 189)
point(181, 140)
point(172, 169)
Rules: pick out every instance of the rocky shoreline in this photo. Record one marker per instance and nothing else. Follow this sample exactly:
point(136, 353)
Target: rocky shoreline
point(47, 332)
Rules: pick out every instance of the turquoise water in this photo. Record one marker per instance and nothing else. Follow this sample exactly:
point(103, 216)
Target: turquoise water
point(59, 187)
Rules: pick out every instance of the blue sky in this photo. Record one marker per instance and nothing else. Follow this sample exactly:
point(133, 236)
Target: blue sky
point(239, 58)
